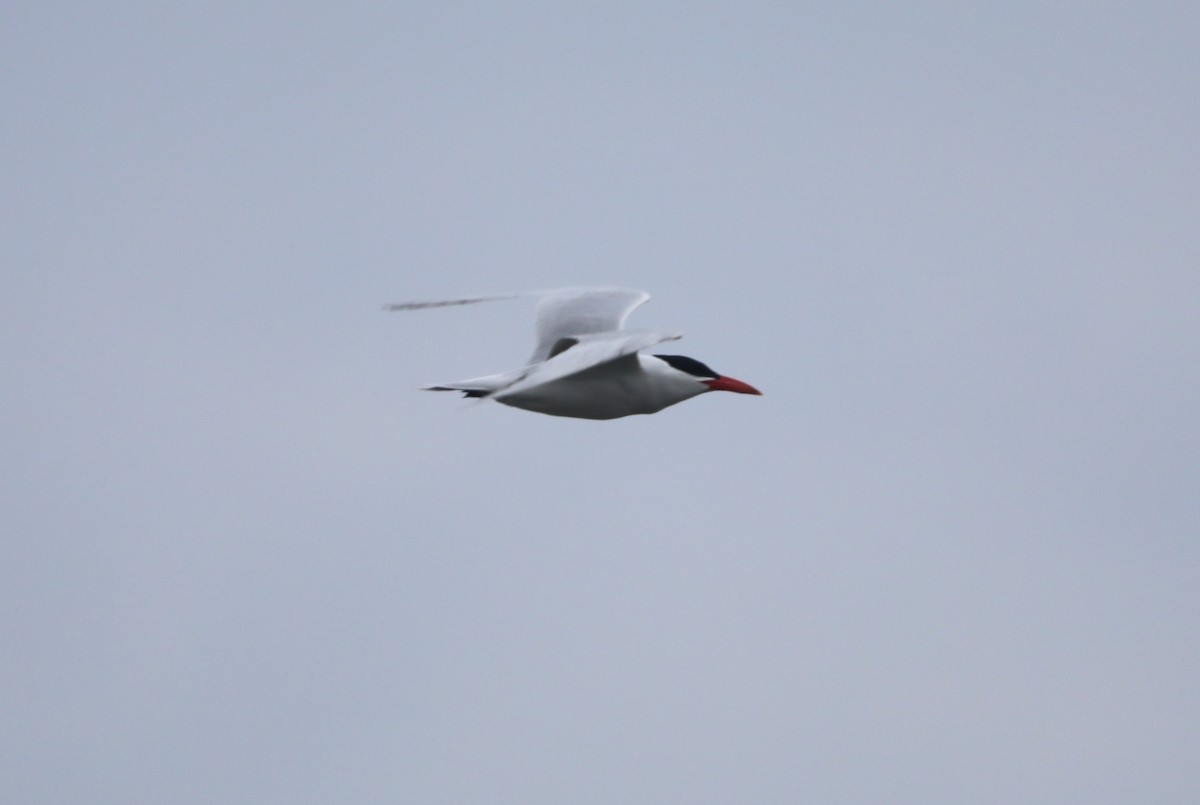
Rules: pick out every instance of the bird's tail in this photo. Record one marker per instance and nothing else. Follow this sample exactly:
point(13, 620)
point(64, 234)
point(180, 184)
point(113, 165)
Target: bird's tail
point(467, 392)
point(479, 386)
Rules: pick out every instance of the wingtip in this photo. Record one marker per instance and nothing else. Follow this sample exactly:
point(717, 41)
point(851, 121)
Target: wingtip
point(400, 306)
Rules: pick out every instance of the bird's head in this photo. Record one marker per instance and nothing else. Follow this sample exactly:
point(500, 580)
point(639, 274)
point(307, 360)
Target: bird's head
point(692, 370)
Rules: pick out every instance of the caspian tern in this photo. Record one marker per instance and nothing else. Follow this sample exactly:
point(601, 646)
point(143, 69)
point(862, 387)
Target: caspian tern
point(585, 365)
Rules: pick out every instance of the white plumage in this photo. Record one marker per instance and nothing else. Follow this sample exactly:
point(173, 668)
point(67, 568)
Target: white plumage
point(585, 365)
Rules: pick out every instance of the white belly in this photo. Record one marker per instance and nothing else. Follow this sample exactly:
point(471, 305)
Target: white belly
point(589, 398)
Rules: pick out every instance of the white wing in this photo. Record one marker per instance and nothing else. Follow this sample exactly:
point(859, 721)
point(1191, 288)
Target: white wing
point(571, 312)
point(561, 313)
point(581, 353)
point(453, 302)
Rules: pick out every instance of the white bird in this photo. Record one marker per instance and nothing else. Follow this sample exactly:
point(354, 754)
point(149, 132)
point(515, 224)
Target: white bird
point(585, 365)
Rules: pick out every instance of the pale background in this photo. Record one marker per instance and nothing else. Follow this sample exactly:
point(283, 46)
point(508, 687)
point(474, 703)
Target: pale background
point(951, 556)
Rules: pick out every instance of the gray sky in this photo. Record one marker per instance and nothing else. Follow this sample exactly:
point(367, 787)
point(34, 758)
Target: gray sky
point(951, 556)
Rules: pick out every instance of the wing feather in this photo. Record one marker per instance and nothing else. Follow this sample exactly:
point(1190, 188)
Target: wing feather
point(572, 312)
point(452, 302)
point(590, 352)
point(565, 313)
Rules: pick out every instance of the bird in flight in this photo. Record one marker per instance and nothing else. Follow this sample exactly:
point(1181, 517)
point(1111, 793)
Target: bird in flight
point(585, 365)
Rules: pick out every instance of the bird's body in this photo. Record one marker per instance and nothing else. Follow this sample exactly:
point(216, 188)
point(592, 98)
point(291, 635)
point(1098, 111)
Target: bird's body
point(586, 366)
point(633, 384)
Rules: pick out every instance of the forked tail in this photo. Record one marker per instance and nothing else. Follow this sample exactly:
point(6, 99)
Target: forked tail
point(467, 392)
point(480, 386)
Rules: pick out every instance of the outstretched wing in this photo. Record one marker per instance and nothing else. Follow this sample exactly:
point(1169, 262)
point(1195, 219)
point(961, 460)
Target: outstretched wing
point(582, 353)
point(561, 314)
point(453, 302)
point(572, 312)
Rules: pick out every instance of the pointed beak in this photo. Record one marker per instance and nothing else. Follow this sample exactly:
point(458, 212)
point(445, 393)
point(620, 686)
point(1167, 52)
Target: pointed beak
point(729, 384)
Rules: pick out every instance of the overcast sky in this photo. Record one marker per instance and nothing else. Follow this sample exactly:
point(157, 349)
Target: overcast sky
point(951, 556)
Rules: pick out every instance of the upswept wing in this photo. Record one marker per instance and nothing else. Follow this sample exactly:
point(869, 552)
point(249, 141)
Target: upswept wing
point(573, 312)
point(582, 353)
point(561, 313)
